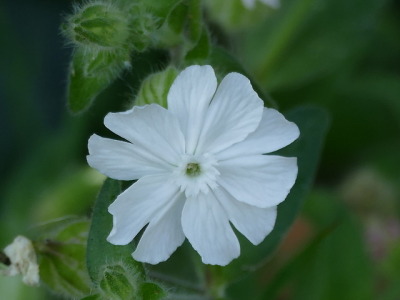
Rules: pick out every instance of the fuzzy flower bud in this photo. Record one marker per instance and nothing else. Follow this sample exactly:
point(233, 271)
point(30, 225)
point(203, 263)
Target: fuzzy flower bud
point(98, 25)
point(115, 284)
point(154, 88)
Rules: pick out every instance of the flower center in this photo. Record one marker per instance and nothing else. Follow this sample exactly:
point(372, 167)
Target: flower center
point(196, 174)
point(193, 169)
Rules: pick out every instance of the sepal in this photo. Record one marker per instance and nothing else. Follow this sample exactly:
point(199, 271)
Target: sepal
point(154, 88)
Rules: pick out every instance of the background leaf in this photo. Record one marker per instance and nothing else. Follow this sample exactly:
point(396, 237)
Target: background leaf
point(308, 39)
point(313, 125)
point(336, 261)
point(61, 249)
point(101, 253)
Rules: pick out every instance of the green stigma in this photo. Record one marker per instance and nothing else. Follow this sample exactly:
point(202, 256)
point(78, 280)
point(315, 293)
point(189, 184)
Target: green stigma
point(193, 169)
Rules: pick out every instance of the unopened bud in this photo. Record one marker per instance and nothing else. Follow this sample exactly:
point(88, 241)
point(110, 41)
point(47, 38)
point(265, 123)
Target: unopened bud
point(154, 89)
point(143, 24)
point(100, 25)
point(115, 284)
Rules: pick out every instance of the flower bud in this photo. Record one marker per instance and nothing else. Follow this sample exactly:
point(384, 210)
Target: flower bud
point(154, 89)
point(143, 24)
point(126, 280)
point(99, 25)
point(116, 285)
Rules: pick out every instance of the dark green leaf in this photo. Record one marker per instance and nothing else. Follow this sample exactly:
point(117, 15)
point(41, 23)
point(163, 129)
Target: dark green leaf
point(223, 62)
point(92, 297)
point(177, 18)
point(336, 263)
point(309, 39)
point(195, 22)
point(313, 124)
point(151, 291)
point(183, 270)
point(101, 253)
point(200, 52)
point(90, 73)
point(159, 8)
point(62, 256)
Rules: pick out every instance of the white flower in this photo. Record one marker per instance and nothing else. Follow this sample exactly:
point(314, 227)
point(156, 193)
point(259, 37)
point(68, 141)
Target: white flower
point(199, 165)
point(23, 260)
point(249, 4)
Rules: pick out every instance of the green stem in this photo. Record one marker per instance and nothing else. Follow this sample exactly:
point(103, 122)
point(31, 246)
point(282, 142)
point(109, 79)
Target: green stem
point(215, 282)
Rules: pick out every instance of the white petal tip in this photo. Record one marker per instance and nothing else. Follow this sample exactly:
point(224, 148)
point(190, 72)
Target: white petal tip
point(115, 239)
point(219, 262)
point(148, 260)
point(296, 131)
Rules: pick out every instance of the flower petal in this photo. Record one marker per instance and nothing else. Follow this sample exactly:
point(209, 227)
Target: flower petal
point(234, 112)
point(259, 180)
point(162, 236)
point(189, 98)
point(207, 228)
point(145, 200)
point(122, 160)
point(273, 133)
point(253, 222)
point(152, 128)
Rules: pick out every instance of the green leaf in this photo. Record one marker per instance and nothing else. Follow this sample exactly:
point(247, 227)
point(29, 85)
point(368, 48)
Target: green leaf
point(159, 8)
point(313, 125)
point(151, 291)
point(309, 39)
point(101, 253)
point(182, 270)
point(336, 264)
point(90, 73)
point(201, 51)
point(195, 22)
point(183, 29)
point(114, 272)
point(62, 252)
point(92, 297)
point(177, 18)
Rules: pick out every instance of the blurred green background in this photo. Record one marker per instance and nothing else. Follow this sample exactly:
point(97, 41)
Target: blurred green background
point(342, 55)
